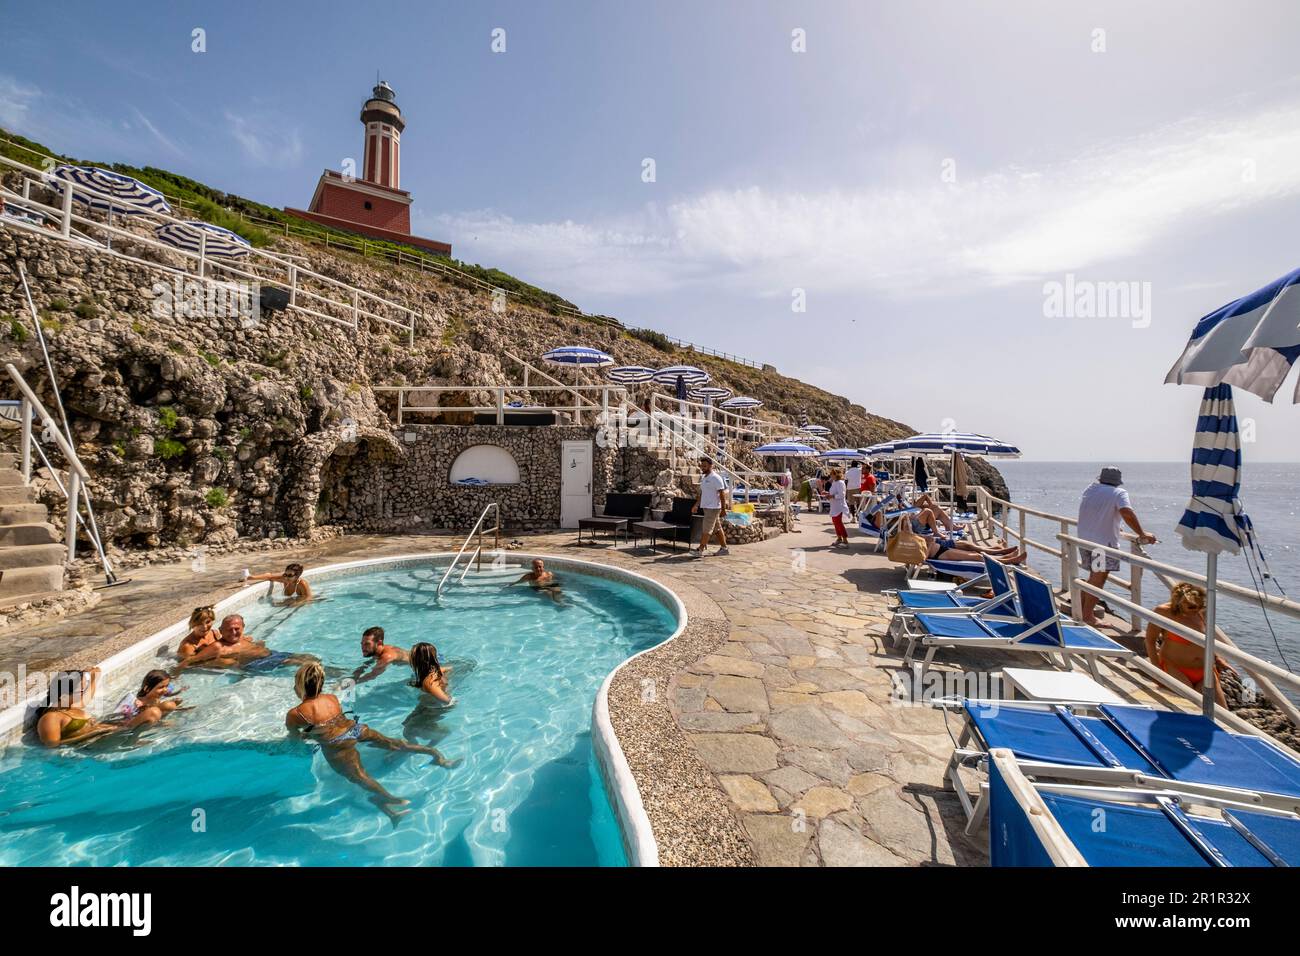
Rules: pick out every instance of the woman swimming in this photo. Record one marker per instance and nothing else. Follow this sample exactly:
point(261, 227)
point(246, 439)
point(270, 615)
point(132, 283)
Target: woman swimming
point(64, 720)
point(1176, 655)
point(320, 716)
point(429, 675)
point(202, 633)
point(295, 588)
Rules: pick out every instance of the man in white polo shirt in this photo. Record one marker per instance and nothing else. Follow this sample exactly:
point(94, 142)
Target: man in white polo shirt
point(1101, 509)
point(711, 502)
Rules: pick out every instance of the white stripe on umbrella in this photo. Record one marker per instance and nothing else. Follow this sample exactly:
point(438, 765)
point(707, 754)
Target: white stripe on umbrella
point(688, 373)
point(741, 401)
point(195, 236)
point(577, 355)
point(110, 192)
point(630, 374)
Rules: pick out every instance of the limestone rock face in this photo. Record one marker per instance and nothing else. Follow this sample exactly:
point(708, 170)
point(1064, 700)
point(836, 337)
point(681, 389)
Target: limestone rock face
point(198, 426)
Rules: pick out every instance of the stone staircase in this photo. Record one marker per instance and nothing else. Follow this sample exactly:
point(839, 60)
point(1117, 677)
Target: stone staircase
point(31, 555)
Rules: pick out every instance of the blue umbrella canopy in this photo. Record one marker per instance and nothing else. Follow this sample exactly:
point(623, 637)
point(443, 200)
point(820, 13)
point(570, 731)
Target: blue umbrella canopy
point(802, 439)
point(1250, 343)
point(577, 355)
point(786, 449)
point(630, 374)
point(740, 402)
point(841, 453)
point(688, 373)
point(108, 191)
point(195, 236)
point(815, 429)
point(943, 443)
point(1213, 520)
point(879, 450)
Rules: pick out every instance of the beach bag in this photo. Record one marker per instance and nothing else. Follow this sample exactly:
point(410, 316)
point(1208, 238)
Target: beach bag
point(905, 546)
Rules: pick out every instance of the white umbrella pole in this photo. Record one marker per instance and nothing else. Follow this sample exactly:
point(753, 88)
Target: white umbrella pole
point(1210, 679)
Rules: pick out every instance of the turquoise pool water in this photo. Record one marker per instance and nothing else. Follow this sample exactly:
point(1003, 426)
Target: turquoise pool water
point(222, 784)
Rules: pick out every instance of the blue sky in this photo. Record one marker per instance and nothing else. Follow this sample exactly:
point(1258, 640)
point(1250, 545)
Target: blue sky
point(922, 172)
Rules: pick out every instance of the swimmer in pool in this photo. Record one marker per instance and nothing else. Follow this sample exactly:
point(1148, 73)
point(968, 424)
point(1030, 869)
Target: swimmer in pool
point(238, 650)
point(150, 703)
point(296, 590)
point(63, 720)
point(202, 633)
point(320, 716)
point(430, 676)
point(542, 581)
point(380, 655)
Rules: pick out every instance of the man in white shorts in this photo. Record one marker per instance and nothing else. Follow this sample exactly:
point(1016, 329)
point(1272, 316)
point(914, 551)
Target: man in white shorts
point(1103, 505)
point(711, 503)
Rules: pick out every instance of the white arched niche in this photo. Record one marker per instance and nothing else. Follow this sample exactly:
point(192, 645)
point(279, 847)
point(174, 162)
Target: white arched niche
point(489, 464)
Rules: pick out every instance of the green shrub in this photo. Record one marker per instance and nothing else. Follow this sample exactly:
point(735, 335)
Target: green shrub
point(17, 330)
point(119, 449)
point(86, 309)
point(213, 360)
point(651, 337)
point(305, 392)
point(51, 324)
point(167, 418)
point(217, 498)
point(168, 448)
point(138, 327)
point(59, 305)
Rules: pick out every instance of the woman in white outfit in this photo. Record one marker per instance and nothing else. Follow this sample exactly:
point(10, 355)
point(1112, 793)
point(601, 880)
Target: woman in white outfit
point(839, 507)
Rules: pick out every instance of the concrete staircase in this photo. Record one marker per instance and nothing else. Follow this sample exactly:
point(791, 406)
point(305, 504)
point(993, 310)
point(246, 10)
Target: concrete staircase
point(31, 555)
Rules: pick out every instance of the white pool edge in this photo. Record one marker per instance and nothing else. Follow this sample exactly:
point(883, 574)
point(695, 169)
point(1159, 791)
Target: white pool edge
point(620, 785)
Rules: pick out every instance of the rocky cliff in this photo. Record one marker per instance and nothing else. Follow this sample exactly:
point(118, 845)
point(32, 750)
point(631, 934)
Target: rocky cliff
point(202, 427)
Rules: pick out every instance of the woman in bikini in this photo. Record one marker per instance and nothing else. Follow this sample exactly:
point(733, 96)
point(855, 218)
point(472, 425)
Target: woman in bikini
point(63, 720)
point(201, 634)
point(295, 588)
point(320, 716)
point(1176, 655)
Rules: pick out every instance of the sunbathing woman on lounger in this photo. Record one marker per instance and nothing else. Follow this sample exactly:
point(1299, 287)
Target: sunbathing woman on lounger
point(949, 549)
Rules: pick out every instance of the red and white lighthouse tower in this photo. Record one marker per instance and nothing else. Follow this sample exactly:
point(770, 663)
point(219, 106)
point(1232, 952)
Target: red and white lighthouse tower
point(384, 125)
point(371, 201)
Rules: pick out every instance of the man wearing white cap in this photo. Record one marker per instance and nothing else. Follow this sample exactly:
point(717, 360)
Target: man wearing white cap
point(1103, 505)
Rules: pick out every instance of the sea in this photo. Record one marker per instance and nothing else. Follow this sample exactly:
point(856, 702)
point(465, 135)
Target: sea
point(1270, 495)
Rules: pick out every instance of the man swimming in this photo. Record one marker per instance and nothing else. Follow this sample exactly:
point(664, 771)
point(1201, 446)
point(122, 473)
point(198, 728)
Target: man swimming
point(236, 649)
point(380, 654)
point(541, 580)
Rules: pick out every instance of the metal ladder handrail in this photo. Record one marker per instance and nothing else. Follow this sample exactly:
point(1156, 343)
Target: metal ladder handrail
point(478, 530)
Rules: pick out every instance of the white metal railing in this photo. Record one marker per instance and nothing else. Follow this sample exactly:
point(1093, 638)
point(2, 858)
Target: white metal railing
point(310, 293)
point(1075, 583)
point(477, 531)
point(500, 406)
point(692, 347)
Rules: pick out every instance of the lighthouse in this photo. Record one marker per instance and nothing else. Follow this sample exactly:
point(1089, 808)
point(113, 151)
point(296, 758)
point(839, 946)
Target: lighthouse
point(369, 200)
point(383, 122)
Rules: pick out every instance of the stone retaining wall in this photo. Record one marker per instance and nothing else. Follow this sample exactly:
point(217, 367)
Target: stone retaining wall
point(364, 486)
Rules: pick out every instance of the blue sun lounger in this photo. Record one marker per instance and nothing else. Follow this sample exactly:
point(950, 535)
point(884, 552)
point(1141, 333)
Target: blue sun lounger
point(1040, 630)
point(1002, 606)
point(1058, 825)
point(1124, 745)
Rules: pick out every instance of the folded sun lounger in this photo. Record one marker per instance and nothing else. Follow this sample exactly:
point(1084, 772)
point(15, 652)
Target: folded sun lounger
point(1123, 745)
point(1054, 825)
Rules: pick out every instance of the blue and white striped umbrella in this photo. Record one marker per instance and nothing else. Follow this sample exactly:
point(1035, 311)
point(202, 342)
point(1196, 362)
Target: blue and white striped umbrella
point(815, 429)
point(197, 236)
point(786, 449)
point(740, 402)
point(630, 374)
point(1213, 520)
point(815, 440)
point(1250, 343)
point(578, 355)
point(945, 443)
point(879, 450)
point(110, 192)
point(709, 393)
point(841, 453)
point(688, 373)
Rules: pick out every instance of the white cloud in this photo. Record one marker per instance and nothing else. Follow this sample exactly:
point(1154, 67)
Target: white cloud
point(898, 237)
point(15, 102)
point(264, 139)
point(156, 132)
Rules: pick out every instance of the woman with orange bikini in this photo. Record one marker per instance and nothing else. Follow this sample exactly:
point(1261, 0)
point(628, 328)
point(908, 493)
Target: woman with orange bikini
point(1176, 655)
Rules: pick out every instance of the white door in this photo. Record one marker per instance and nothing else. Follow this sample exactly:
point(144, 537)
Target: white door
point(575, 483)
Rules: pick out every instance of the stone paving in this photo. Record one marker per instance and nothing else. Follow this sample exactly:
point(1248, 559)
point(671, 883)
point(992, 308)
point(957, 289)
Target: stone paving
point(788, 715)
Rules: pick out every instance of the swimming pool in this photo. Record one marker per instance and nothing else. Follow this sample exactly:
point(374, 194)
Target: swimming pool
point(223, 784)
